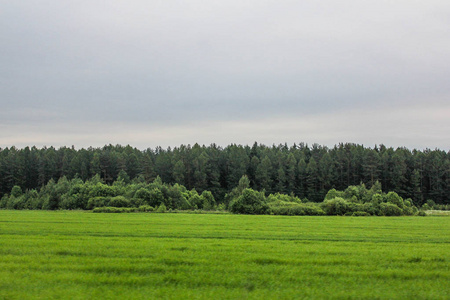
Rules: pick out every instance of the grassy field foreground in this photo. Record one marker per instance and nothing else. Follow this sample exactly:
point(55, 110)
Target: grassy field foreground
point(81, 255)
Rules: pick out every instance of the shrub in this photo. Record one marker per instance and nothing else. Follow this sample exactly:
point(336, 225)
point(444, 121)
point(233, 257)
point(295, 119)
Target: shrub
point(143, 194)
point(156, 197)
point(16, 191)
point(360, 214)
point(119, 201)
point(430, 203)
point(50, 202)
point(283, 198)
point(37, 203)
point(208, 200)
point(313, 210)
point(295, 209)
point(196, 201)
point(109, 209)
point(16, 203)
point(408, 211)
point(389, 209)
point(408, 202)
point(336, 206)
point(177, 196)
point(145, 208)
point(101, 190)
point(442, 207)
point(4, 201)
point(29, 198)
point(98, 202)
point(278, 203)
point(250, 202)
point(377, 199)
point(369, 208)
point(162, 208)
point(79, 197)
point(394, 198)
point(303, 209)
point(333, 194)
point(136, 202)
point(221, 207)
point(68, 202)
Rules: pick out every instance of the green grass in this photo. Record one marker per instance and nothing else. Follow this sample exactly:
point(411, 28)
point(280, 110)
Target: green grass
point(81, 255)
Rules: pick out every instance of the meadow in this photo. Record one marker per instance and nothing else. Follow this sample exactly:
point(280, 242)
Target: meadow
point(82, 255)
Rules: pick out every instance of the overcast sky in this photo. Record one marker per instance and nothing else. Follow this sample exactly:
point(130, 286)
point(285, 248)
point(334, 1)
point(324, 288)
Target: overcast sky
point(149, 73)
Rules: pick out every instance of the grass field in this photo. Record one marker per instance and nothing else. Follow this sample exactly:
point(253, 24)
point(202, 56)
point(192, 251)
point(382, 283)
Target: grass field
point(81, 255)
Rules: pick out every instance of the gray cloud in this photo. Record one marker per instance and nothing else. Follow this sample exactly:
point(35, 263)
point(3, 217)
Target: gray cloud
point(72, 65)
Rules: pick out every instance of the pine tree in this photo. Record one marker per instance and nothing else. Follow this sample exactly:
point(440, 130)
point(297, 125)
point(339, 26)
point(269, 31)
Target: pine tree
point(291, 174)
point(262, 174)
point(179, 171)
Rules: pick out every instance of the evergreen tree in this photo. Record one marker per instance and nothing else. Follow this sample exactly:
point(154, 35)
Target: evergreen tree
point(416, 185)
point(302, 178)
point(262, 174)
point(291, 174)
point(371, 164)
point(178, 172)
point(312, 181)
point(281, 181)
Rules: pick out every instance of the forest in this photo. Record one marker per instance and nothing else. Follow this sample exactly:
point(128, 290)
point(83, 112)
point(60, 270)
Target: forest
point(300, 170)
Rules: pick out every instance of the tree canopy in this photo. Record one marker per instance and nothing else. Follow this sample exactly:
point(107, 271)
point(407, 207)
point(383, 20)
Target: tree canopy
point(302, 170)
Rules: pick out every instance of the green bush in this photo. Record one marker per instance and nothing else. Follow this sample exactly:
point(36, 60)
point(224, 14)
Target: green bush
point(109, 209)
point(196, 201)
point(296, 209)
point(336, 206)
point(36, 203)
point(156, 197)
point(162, 208)
point(409, 211)
point(250, 202)
point(389, 209)
point(98, 202)
point(221, 207)
point(136, 202)
point(177, 197)
point(376, 199)
point(313, 210)
point(442, 207)
point(283, 198)
point(333, 194)
point(101, 190)
point(4, 201)
point(360, 214)
point(50, 202)
point(430, 203)
point(119, 201)
point(16, 191)
point(143, 194)
point(394, 198)
point(16, 203)
point(68, 202)
point(145, 208)
point(208, 200)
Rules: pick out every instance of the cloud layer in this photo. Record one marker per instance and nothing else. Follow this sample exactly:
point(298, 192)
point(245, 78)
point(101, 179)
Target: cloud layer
point(170, 72)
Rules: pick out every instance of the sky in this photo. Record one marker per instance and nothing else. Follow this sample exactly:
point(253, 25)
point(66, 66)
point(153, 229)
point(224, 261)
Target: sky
point(166, 72)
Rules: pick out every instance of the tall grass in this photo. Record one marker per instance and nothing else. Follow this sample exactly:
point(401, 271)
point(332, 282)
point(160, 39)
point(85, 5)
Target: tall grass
point(81, 255)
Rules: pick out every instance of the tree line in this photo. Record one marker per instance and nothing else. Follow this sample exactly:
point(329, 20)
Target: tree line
point(139, 196)
point(304, 171)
